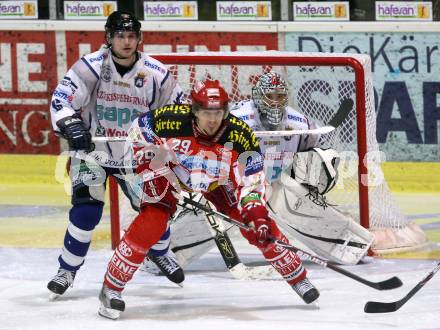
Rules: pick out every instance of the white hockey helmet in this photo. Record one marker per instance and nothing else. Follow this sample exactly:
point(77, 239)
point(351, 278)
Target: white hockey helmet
point(270, 95)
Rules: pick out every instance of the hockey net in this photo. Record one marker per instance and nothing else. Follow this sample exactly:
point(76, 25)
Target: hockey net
point(318, 82)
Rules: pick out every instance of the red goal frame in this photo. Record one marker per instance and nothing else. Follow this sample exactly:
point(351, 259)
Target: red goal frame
point(200, 59)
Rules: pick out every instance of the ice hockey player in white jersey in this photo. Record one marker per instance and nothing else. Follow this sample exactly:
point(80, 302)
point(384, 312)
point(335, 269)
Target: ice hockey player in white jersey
point(101, 95)
point(300, 173)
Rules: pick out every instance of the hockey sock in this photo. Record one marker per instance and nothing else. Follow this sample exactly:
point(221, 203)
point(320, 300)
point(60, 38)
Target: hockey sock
point(83, 219)
point(146, 230)
point(285, 262)
point(163, 245)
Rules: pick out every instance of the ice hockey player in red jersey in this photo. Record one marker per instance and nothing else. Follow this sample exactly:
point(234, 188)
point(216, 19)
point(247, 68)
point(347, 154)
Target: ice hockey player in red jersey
point(199, 148)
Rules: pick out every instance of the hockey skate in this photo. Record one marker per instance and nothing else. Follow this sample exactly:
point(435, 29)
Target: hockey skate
point(111, 303)
point(306, 291)
point(61, 282)
point(168, 266)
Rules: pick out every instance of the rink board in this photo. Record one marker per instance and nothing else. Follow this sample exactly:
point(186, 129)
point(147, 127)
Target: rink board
point(34, 202)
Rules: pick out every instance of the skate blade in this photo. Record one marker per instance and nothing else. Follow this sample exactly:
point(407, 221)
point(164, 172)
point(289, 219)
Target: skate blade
point(53, 296)
point(315, 304)
point(109, 313)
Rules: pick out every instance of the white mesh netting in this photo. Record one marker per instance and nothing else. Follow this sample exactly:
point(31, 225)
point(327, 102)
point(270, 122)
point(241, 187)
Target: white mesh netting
point(317, 89)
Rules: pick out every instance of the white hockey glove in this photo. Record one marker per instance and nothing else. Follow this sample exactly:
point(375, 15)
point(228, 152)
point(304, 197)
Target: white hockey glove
point(317, 168)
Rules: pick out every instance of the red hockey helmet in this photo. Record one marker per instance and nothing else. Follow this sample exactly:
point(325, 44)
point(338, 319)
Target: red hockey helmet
point(209, 94)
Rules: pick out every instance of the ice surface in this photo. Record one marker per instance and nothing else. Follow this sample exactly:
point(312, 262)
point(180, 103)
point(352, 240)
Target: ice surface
point(211, 298)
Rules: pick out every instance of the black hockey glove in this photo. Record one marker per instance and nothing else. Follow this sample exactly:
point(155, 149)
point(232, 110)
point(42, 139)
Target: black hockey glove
point(76, 133)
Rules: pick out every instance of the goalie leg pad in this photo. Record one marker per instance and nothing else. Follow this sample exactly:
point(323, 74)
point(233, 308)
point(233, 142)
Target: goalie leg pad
point(322, 228)
point(191, 236)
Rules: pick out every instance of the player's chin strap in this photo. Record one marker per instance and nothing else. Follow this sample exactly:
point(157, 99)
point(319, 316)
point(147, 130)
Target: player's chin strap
point(388, 284)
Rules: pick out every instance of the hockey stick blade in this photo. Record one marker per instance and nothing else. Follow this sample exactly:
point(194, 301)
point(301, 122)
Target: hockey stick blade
point(344, 109)
point(382, 307)
point(391, 283)
point(342, 113)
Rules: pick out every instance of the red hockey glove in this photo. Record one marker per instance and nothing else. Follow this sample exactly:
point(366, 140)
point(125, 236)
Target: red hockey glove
point(158, 188)
point(255, 215)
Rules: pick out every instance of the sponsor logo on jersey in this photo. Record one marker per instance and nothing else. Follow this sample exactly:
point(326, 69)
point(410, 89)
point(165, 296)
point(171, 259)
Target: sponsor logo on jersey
point(154, 67)
point(125, 249)
point(97, 59)
point(61, 94)
point(114, 132)
point(173, 108)
point(254, 164)
point(240, 123)
point(121, 83)
point(123, 98)
point(106, 73)
point(139, 80)
point(247, 142)
point(57, 105)
point(69, 83)
point(271, 142)
point(296, 118)
point(167, 125)
point(121, 116)
point(100, 131)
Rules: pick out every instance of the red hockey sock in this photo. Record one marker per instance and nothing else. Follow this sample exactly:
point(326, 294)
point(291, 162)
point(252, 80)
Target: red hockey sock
point(144, 232)
point(285, 262)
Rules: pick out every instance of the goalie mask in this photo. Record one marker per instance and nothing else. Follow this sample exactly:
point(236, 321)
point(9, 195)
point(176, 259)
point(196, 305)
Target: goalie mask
point(270, 97)
point(119, 21)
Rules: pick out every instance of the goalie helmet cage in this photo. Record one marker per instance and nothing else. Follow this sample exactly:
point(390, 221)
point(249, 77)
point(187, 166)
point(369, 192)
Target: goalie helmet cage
point(318, 82)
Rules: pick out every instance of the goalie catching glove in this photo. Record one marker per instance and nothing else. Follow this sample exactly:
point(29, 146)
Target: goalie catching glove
point(316, 168)
point(256, 216)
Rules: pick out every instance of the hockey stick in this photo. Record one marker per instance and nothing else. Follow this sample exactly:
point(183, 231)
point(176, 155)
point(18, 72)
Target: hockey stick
point(320, 130)
point(388, 284)
point(381, 307)
point(227, 251)
point(342, 113)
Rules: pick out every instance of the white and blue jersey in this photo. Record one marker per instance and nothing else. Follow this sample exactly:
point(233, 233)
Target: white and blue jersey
point(109, 103)
point(278, 151)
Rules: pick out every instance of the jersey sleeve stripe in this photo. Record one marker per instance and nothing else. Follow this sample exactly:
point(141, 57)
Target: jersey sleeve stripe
point(90, 67)
point(153, 98)
point(165, 78)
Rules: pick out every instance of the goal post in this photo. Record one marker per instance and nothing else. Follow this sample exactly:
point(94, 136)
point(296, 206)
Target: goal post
point(318, 83)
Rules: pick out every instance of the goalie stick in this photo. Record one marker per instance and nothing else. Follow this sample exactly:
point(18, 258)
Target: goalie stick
point(340, 115)
point(388, 284)
point(383, 307)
